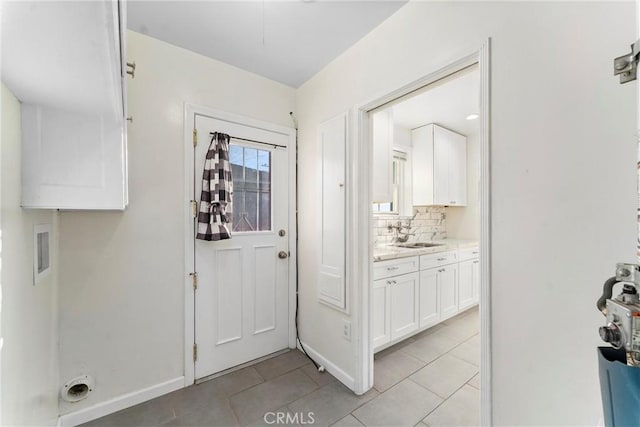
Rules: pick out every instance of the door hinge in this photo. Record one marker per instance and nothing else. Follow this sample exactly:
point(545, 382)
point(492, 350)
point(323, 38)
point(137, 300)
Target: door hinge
point(627, 65)
point(195, 137)
point(194, 279)
point(194, 208)
point(195, 352)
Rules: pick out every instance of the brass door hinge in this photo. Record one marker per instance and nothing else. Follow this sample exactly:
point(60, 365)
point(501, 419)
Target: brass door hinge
point(195, 137)
point(194, 208)
point(194, 279)
point(195, 352)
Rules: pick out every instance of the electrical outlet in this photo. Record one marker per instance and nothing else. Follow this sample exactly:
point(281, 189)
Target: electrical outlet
point(346, 330)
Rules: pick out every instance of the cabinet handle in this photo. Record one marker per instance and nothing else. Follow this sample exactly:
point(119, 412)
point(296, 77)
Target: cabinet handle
point(392, 268)
point(475, 252)
point(475, 262)
point(391, 282)
point(441, 270)
point(452, 203)
point(442, 259)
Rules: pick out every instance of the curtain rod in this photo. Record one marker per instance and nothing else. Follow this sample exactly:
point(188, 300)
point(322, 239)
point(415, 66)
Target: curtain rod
point(253, 140)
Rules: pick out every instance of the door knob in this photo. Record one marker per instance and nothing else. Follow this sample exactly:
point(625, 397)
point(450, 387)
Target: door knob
point(283, 255)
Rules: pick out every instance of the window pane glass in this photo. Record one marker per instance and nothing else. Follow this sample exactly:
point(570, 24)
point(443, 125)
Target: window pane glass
point(251, 169)
point(265, 211)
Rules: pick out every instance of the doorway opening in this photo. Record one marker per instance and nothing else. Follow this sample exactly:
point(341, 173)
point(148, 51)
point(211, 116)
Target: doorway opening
point(426, 307)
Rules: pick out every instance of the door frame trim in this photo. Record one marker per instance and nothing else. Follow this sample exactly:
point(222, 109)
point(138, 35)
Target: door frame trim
point(362, 244)
point(190, 111)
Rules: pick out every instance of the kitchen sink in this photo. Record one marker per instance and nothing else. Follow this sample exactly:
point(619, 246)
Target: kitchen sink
point(417, 245)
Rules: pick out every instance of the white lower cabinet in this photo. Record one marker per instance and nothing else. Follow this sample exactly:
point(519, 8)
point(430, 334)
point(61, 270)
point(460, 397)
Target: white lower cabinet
point(381, 322)
point(469, 284)
point(476, 281)
point(412, 294)
point(429, 298)
point(448, 280)
point(404, 304)
point(395, 308)
point(465, 285)
point(395, 300)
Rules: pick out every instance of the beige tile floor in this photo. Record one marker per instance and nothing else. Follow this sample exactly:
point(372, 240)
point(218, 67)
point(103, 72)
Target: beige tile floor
point(429, 379)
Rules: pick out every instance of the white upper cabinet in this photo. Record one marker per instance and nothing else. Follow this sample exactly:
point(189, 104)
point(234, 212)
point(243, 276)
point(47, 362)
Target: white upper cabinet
point(66, 63)
point(439, 167)
point(382, 128)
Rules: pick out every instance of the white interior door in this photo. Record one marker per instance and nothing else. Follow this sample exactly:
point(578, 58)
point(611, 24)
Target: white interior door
point(242, 298)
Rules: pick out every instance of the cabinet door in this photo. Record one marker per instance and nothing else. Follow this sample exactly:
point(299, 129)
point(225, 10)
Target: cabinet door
point(448, 290)
point(457, 169)
point(381, 322)
point(404, 304)
point(72, 160)
point(476, 281)
point(465, 285)
point(449, 167)
point(382, 128)
point(429, 308)
point(441, 162)
point(422, 165)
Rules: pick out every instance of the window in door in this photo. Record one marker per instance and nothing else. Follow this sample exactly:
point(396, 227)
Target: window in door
point(251, 170)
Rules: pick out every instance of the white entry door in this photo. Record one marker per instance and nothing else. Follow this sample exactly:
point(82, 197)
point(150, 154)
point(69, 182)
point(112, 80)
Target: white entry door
point(242, 296)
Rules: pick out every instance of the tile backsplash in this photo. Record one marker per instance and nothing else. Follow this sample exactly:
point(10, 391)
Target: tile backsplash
point(428, 223)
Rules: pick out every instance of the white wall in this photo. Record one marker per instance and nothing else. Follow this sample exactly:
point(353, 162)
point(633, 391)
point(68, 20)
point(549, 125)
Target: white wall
point(563, 180)
point(122, 274)
point(29, 354)
point(464, 222)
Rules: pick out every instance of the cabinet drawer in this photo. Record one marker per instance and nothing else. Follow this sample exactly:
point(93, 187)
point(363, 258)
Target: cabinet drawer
point(394, 267)
point(438, 259)
point(468, 253)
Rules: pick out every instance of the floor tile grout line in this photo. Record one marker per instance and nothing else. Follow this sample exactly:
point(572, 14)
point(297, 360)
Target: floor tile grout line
point(292, 401)
point(464, 342)
point(264, 381)
point(445, 400)
point(471, 363)
point(354, 416)
point(434, 392)
point(424, 387)
point(233, 412)
point(404, 378)
point(448, 352)
point(309, 376)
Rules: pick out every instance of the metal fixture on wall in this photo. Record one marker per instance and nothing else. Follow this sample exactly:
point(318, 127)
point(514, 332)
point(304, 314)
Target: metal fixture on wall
point(627, 65)
point(77, 388)
point(132, 69)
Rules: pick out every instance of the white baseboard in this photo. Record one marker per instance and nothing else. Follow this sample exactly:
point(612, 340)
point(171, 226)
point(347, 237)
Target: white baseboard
point(330, 367)
point(118, 403)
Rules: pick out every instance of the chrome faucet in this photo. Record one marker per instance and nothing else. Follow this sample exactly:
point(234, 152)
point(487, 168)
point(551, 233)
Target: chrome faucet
point(401, 236)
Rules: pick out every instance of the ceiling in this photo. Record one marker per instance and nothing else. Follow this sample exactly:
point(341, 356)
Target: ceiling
point(286, 41)
point(446, 103)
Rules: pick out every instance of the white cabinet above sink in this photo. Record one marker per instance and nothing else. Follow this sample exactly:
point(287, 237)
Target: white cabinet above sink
point(439, 166)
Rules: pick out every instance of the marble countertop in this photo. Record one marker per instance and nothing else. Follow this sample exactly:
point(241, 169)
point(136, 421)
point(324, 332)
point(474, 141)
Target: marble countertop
point(386, 252)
